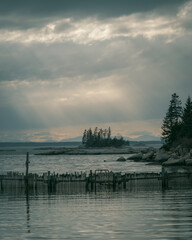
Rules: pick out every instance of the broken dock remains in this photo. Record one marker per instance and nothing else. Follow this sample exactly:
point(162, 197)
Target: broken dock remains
point(169, 177)
point(90, 181)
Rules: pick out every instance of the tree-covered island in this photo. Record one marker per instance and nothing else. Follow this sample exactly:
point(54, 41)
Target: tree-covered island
point(102, 138)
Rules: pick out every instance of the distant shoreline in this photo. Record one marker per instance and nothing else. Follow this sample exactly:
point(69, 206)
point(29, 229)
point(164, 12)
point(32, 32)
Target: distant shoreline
point(75, 148)
point(87, 151)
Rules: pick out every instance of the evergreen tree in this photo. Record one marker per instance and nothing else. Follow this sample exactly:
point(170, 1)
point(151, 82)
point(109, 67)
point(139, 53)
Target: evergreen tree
point(84, 139)
point(187, 119)
point(96, 135)
point(90, 138)
point(171, 123)
point(109, 133)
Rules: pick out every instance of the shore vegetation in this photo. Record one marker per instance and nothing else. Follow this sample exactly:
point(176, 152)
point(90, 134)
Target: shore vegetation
point(177, 124)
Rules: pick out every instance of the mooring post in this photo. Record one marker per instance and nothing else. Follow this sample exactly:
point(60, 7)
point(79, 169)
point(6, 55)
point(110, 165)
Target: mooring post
point(48, 180)
point(35, 182)
point(164, 178)
point(91, 179)
point(27, 170)
point(124, 182)
point(114, 181)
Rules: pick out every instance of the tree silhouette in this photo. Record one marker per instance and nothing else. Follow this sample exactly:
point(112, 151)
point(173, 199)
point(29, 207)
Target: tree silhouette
point(172, 121)
point(187, 119)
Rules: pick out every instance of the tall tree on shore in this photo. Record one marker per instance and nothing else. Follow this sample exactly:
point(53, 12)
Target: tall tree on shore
point(84, 139)
point(109, 133)
point(187, 119)
point(172, 121)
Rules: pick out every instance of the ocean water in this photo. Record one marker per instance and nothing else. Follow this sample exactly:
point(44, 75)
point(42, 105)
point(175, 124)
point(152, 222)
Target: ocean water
point(105, 214)
point(13, 157)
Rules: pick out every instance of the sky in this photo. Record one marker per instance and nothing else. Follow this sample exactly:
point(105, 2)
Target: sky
point(66, 66)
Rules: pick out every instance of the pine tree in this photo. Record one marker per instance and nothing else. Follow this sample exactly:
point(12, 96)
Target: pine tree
point(90, 138)
point(187, 119)
point(109, 133)
point(171, 123)
point(84, 139)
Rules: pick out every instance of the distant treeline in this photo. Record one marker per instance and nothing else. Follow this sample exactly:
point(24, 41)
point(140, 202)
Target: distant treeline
point(177, 124)
point(101, 138)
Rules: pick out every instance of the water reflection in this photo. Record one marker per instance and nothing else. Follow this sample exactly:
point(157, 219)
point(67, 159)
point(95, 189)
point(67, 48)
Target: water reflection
point(27, 210)
point(105, 214)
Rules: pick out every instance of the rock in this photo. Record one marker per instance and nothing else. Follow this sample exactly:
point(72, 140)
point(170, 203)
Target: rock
point(154, 163)
point(121, 159)
point(174, 162)
point(144, 150)
point(187, 156)
point(147, 150)
point(162, 157)
point(137, 156)
point(174, 155)
point(148, 156)
point(188, 162)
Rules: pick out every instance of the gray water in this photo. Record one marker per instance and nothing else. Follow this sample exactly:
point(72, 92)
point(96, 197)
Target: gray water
point(106, 214)
point(13, 157)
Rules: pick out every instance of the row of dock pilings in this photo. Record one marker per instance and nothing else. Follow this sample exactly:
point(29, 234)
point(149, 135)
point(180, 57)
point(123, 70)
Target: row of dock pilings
point(96, 180)
point(101, 176)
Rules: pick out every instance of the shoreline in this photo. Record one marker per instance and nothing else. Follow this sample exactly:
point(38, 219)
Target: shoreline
point(87, 151)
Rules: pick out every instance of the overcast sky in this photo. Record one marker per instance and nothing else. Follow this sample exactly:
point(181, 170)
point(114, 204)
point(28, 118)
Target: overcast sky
point(70, 65)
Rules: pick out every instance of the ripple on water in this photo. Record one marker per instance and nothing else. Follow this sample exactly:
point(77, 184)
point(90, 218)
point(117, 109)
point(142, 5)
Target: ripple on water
point(106, 215)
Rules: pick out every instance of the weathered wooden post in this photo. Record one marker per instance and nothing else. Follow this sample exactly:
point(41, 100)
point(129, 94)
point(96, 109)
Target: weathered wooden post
point(48, 181)
point(35, 182)
point(114, 182)
point(91, 179)
point(27, 171)
point(124, 181)
point(87, 183)
point(164, 178)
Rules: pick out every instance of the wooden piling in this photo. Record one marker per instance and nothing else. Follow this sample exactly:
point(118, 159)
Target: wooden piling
point(91, 179)
point(164, 179)
point(114, 182)
point(27, 171)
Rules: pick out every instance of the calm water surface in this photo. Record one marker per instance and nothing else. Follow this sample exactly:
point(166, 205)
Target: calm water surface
point(13, 157)
point(88, 215)
point(104, 215)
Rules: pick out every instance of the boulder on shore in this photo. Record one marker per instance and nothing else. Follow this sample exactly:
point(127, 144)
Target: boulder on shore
point(148, 156)
point(162, 157)
point(137, 156)
point(174, 162)
point(121, 159)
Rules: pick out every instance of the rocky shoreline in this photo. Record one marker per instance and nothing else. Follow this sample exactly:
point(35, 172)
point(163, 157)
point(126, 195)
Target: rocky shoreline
point(88, 151)
point(179, 156)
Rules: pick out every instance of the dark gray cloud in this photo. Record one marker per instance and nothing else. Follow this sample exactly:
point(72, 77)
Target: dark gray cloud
point(112, 8)
point(27, 14)
point(17, 21)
